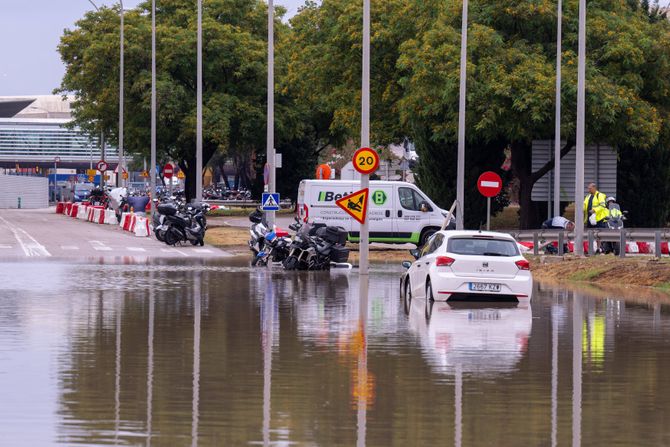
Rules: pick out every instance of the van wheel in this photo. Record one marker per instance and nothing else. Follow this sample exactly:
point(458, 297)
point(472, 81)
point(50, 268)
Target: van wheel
point(426, 234)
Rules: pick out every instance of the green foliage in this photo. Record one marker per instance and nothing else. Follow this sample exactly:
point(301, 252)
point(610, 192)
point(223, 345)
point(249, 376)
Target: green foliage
point(643, 186)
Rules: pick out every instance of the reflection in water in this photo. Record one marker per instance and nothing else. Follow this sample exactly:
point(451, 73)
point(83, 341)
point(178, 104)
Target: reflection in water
point(177, 361)
point(480, 338)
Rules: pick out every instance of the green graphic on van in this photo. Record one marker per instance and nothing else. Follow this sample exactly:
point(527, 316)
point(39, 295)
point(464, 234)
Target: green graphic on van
point(379, 197)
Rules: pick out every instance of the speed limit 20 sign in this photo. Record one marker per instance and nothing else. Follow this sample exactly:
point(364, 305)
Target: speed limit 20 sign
point(366, 161)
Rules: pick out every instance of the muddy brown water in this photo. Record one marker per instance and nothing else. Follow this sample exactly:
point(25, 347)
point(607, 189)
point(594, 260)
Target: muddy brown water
point(223, 355)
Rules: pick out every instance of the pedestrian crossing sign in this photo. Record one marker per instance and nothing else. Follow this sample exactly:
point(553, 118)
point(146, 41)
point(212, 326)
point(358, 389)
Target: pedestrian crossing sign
point(270, 201)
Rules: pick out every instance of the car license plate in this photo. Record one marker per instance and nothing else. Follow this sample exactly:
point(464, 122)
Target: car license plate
point(484, 287)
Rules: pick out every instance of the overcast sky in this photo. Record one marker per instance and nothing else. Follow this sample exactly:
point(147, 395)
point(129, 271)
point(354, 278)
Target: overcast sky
point(29, 33)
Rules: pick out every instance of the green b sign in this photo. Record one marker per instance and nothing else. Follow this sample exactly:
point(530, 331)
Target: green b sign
point(379, 197)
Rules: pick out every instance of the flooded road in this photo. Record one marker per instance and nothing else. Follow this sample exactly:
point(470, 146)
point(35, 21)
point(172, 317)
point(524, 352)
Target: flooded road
point(222, 355)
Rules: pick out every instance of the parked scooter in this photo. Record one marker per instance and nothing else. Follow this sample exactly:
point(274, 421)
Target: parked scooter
point(181, 226)
point(317, 247)
point(266, 244)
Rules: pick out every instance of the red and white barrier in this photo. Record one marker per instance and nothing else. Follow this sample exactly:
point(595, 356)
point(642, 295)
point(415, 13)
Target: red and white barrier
point(135, 224)
point(131, 222)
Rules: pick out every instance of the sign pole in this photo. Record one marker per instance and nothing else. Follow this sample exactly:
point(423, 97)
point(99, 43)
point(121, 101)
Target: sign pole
point(365, 138)
point(198, 126)
point(488, 214)
point(557, 131)
point(270, 143)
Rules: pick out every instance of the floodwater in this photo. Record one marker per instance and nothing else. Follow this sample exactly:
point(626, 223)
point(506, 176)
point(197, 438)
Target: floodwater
point(215, 355)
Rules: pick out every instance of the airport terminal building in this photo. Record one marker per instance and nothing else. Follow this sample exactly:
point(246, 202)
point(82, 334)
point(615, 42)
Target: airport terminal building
point(34, 133)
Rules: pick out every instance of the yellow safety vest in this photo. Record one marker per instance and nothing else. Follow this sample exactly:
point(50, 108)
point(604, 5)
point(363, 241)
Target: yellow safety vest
point(599, 206)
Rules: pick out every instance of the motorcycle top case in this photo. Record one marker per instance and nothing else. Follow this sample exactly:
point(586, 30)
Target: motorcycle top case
point(169, 209)
point(334, 235)
point(339, 254)
point(256, 217)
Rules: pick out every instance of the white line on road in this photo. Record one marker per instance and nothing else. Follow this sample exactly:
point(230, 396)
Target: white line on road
point(202, 250)
point(173, 250)
point(99, 246)
point(69, 247)
point(30, 246)
point(135, 249)
point(5, 246)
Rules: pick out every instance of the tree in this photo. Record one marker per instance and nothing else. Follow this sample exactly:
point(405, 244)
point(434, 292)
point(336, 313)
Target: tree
point(234, 78)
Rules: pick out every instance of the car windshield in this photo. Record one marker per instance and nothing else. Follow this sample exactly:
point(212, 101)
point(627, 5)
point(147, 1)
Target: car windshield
point(477, 246)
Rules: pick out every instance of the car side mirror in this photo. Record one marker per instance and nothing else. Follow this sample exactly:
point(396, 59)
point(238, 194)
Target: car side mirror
point(416, 253)
point(406, 264)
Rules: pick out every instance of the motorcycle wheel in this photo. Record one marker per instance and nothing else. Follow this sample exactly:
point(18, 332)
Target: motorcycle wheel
point(254, 261)
point(291, 263)
point(196, 242)
point(170, 238)
point(616, 248)
point(160, 235)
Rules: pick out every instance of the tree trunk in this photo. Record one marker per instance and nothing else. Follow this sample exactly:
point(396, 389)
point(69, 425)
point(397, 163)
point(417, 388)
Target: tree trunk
point(188, 166)
point(522, 169)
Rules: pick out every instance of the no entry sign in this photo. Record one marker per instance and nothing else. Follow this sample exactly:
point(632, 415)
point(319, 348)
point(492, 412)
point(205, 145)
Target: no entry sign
point(489, 184)
point(168, 170)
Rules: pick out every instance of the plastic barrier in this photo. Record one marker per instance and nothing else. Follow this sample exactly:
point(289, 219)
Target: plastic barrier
point(60, 207)
point(82, 212)
point(135, 224)
point(110, 218)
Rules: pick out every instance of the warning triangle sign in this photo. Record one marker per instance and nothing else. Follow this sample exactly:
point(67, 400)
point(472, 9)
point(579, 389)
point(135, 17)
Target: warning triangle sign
point(355, 204)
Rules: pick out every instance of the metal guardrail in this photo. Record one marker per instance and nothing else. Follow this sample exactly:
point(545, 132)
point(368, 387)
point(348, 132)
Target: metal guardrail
point(654, 235)
point(285, 204)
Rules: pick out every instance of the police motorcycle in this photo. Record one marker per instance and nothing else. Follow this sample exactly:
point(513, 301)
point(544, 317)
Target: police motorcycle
point(266, 244)
point(317, 247)
point(614, 221)
point(187, 223)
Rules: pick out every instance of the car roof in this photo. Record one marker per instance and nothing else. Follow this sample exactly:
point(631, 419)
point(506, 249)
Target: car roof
point(471, 233)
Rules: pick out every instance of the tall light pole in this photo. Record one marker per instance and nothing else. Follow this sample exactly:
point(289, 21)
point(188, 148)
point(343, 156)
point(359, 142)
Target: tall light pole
point(460, 167)
point(270, 139)
point(581, 107)
point(120, 181)
point(557, 131)
point(198, 131)
point(365, 139)
point(153, 106)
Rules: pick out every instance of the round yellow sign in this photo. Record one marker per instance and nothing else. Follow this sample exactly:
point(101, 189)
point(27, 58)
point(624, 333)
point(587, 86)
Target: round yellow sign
point(366, 160)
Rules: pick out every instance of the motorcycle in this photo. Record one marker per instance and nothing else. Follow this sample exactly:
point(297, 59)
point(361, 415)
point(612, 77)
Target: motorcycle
point(317, 247)
point(181, 226)
point(266, 244)
point(614, 221)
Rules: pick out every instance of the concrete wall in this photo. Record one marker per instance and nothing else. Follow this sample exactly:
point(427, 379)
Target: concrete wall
point(33, 191)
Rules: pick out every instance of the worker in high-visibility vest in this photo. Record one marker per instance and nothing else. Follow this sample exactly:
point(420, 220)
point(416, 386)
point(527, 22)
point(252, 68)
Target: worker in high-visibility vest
point(595, 208)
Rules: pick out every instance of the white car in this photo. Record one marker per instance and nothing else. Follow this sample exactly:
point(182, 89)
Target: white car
point(468, 265)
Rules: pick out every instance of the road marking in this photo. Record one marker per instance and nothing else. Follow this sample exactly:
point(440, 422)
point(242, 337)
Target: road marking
point(5, 246)
point(135, 249)
point(202, 250)
point(69, 247)
point(173, 250)
point(28, 244)
point(99, 246)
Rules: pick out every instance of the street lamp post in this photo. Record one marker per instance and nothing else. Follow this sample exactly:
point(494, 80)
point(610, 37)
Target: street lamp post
point(198, 138)
point(557, 131)
point(460, 166)
point(270, 139)
point(581, 105)
point(365, 140)
point(153, 106)
point(120, 181)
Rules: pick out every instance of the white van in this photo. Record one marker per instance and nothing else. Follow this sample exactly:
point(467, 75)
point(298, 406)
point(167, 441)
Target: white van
point(394, 210)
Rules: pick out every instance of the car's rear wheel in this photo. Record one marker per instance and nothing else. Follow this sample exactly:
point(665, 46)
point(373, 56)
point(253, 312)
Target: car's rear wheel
point(407, 296)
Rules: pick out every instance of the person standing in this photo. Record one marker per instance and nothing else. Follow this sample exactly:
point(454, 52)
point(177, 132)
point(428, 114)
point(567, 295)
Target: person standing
point(595, 208)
